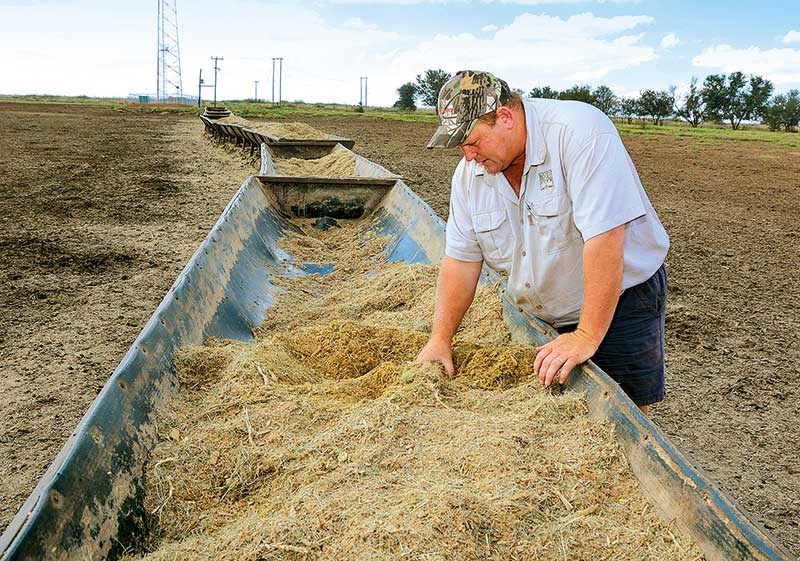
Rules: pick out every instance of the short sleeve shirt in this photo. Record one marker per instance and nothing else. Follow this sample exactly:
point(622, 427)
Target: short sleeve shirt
point(578, 182)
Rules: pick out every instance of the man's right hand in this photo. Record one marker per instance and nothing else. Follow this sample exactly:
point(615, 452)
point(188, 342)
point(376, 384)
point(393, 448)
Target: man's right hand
point(438, 349)
point(455, 290)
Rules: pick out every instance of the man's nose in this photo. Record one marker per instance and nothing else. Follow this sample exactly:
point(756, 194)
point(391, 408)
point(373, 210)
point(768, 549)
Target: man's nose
point(469, 152)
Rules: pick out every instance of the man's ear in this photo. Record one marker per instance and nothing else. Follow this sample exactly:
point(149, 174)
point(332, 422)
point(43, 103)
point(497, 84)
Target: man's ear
point(505, 116)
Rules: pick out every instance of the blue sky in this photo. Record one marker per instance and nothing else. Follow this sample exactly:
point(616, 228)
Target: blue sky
point(108, 48)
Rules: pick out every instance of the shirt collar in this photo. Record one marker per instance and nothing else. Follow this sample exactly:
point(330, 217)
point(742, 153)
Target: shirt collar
point(535, 148)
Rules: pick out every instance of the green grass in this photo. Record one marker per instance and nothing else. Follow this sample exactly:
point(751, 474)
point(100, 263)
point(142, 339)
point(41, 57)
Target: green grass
point(713, 134)
point(112, 102)
point(262, 110)
point(250, 109)
point(243, 108)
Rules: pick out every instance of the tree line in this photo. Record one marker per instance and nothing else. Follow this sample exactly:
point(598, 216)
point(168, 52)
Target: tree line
point(721, 98)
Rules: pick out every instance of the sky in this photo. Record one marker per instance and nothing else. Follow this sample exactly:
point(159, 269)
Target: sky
point(109, 48)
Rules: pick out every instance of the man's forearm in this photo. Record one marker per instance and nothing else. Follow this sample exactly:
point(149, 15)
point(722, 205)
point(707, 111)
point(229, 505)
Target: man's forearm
point(602, 283)
point(455, 291)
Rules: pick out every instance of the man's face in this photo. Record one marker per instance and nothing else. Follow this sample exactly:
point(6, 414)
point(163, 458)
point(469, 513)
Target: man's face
point(488, 145)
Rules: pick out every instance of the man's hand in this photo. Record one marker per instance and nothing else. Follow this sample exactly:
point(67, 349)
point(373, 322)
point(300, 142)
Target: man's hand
point(456, 288)
point(602, 281)
point(438, 350)
point(562, 354)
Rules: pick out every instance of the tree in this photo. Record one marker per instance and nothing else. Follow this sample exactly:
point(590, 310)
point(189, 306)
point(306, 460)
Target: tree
point(774, 115)
point(734, 98)
point(428, 85)
point(605, 100)
point(758, 96)
point(628, 108)
point(693, 108)
point(519, 91)
point(545, 92)
point(656, 104)
point(406, 94)
point(783, 112)
point(578, 93)
point(641, 110)
point(792, 110)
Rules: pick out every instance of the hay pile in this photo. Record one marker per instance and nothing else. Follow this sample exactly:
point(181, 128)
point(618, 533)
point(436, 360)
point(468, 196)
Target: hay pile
point(284, 131)
point(339, 163)
point(323, 441)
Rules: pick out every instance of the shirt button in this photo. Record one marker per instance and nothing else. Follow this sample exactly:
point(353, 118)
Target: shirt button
point(527, 285)
point(523, 254)
point(538, 306)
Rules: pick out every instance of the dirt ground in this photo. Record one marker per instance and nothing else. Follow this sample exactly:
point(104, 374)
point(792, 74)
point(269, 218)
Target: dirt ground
point(102, 209)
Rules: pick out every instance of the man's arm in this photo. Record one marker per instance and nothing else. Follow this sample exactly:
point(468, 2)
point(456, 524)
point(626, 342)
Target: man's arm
point(602, 284)
point(455, 291)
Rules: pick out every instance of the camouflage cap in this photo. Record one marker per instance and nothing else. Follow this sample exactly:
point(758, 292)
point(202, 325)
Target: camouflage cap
point(465, 97)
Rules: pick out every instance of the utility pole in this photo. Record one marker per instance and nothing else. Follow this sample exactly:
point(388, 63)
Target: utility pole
point(216, 69)
point(362, 91)
point(200, 85)
point(280, 78)
point(256, 97)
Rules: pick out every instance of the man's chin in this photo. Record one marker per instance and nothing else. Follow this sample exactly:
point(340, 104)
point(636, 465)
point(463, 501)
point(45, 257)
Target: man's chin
point(491, 167)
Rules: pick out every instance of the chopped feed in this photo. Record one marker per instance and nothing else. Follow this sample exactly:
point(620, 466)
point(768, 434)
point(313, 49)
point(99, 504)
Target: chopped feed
point(324, 441)
point(282, 131)
point(339, 163)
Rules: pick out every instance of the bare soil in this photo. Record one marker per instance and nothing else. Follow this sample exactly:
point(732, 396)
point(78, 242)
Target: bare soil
point(102, 209)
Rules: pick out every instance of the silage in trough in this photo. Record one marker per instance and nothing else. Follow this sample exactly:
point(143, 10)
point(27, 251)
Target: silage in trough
point(323, 440)
point(281, 130)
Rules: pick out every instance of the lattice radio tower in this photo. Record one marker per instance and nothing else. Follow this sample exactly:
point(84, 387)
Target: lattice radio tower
point(169, 83)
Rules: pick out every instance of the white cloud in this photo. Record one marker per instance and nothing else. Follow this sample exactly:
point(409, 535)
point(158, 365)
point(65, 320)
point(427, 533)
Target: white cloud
point(491, 27)
point(517, 2)
point(669, 41)
point(397, 2)
point(551, 2)
point(792, 37)
point(547, 50)
point(542, 28)
point(358, 23)
point(322, 60)
point(781, 66)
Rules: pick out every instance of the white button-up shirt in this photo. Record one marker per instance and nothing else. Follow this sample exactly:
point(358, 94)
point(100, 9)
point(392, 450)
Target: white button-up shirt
point(578, 182)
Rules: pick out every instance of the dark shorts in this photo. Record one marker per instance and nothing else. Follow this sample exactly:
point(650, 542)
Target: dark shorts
point(632, 352)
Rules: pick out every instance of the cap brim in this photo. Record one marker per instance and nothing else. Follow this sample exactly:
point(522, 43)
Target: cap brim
point(446, 137)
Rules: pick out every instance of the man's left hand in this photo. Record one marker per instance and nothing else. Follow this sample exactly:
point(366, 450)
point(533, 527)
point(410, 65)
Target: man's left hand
point(562, 354)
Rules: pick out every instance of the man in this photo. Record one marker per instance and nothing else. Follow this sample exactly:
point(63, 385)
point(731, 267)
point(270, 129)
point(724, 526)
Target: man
point(548, 197)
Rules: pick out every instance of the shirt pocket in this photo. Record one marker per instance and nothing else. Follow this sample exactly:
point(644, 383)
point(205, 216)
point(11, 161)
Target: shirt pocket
point(492, 229)
point(552, 220)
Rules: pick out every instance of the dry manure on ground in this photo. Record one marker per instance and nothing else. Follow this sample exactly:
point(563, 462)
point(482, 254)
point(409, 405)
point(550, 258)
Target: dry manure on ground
point(323, 440)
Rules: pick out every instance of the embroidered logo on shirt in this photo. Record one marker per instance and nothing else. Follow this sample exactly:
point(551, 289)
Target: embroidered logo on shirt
point(546, 180)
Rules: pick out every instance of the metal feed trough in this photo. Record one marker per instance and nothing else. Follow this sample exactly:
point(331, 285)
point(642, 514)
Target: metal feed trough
point(280, 147)
point(89, 503)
